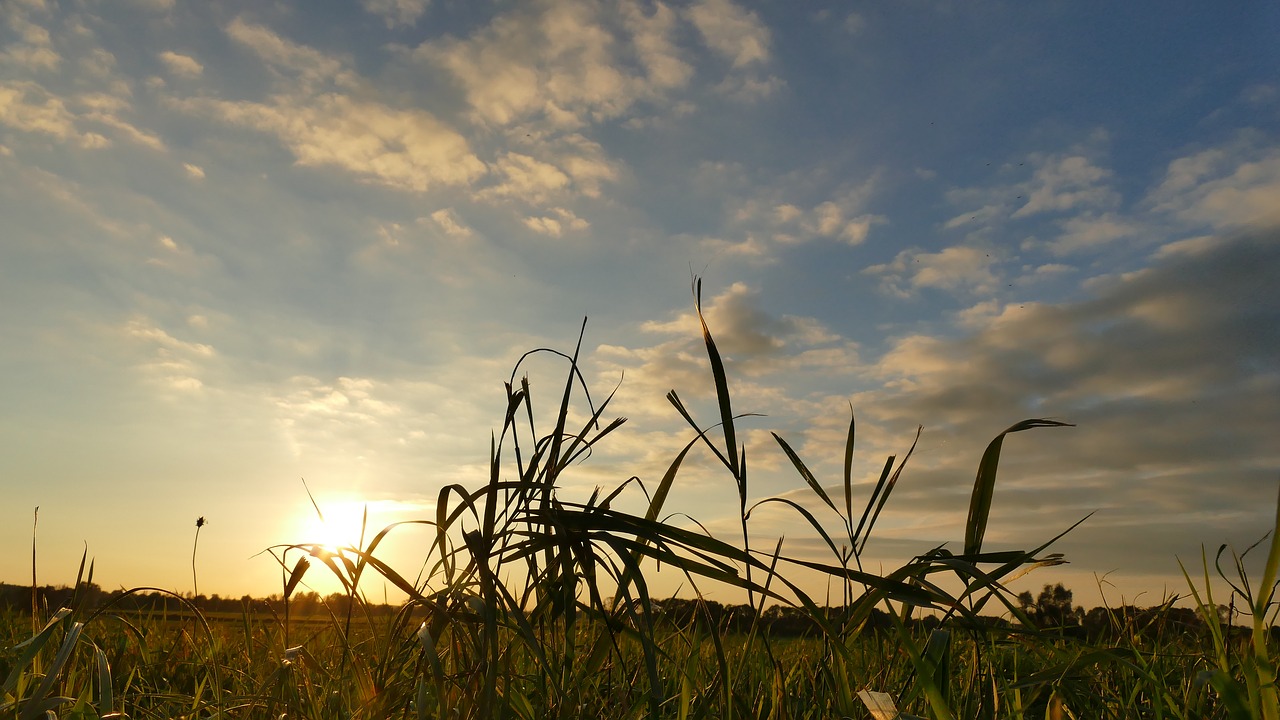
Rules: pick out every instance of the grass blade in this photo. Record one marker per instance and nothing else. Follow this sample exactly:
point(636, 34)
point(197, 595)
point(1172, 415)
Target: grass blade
point(722, 390)
point(985, 483)
point(805, 472)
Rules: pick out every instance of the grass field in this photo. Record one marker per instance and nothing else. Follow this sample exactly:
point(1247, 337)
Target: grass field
point(578, 635)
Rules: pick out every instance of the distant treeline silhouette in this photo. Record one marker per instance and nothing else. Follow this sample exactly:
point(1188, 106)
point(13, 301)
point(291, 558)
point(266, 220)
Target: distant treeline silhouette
point(1051, 610)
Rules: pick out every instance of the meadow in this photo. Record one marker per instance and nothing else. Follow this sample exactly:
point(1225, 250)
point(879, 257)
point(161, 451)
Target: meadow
point(534, 606)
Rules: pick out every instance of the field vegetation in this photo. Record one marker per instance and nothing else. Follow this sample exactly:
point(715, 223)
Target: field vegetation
point(533, 606)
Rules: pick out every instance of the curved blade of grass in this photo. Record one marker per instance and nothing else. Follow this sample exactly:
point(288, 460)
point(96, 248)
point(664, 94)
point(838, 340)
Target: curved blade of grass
point(871, 502)
point(34, 708)
point(32, 647)
point(106, 700)
point(722, 390)
point(553, 459)
point(985, 483)
point(882, 496)
point(804, 472)
point(1263, 665)
point(848, 475)
point(808, 516)
point(295, 576)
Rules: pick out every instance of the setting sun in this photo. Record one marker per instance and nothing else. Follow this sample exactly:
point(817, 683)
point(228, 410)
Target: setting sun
point(339, 527)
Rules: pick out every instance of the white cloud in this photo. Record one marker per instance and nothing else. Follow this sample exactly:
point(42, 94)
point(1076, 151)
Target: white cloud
point(557, 224)
point(194, 171)
point(652, 36)
point(35, 52)
point(1066, 182)
point(30, 108)
point(784, 221)
point(1236, 185)
point(1088, 231)
point(962, 269)
point(397, 12)
point(569, 164)
point(410, 149)
point(107, 110)
point(181, 65)
point(528, 178)
point(169, 362)
point(407, 149)
point(562, 63)
point(305, 65)
point(750, 248)
point(736, 34)
point(451, 224)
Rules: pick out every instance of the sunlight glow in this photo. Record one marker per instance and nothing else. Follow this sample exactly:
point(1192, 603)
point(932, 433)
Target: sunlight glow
point(339, 528)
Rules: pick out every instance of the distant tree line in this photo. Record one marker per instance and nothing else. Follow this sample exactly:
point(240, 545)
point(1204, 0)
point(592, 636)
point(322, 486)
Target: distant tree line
point(1051, 611)
point(49, 597)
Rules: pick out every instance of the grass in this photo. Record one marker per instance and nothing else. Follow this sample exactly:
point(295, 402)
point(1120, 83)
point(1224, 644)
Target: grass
point(533, 606)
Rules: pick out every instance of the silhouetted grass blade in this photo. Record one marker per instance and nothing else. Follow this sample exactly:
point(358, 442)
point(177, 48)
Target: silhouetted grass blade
point(722, 391)
point(804, 472)
point(985, 483)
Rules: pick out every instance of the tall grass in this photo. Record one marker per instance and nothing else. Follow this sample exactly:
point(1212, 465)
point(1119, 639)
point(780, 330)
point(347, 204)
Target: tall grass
point(530, 605)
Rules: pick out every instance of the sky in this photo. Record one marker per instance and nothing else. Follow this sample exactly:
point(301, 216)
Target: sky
point(251, 244)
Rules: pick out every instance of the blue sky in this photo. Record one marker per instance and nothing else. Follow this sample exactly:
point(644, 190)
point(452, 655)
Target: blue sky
point(247, 243)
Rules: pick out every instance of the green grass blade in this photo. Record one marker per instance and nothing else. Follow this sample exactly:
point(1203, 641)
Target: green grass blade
point(31, 648)
point(34, 707)
point(106, 698)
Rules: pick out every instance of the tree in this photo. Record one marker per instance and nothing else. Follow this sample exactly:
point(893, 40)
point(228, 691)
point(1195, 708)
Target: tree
point(1052, 608)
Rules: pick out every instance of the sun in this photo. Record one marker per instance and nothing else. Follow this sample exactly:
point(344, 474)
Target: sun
point(338, 528)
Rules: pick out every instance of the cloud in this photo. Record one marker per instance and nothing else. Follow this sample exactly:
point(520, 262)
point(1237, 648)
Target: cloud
point(35, 51)
point(181, 65)
point(562, 63)
point(448, 221)
point(527, 177)
point(1159, 420)
point(568, 164)
point(742, 328)
point(1131, 348)
point(827, 219)
point(194, 171)
point(775, 218)
point(322, 125)
point(1223, 188)
point(959, 268)
point(397, 12)
point(1073, 181)
point(307, 66)
point(734, 33)
point(28, 107)
point(1066, 182)
point(1087, 232)
point(557, 224)
point(171, 363)
point(108, 110)
point(406, 149)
